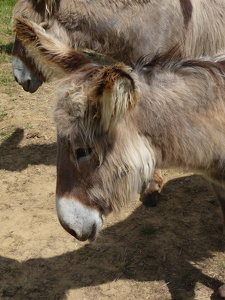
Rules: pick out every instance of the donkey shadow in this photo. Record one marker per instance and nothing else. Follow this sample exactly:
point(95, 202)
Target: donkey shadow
point(6, 48)
point(15, 158)
point(152, 244)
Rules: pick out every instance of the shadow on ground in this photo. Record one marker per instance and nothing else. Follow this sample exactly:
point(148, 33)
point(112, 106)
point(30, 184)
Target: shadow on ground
point(168, 242)
point(16, 158)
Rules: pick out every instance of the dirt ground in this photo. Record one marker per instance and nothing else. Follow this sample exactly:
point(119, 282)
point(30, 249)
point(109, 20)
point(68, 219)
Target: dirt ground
point(173, 251)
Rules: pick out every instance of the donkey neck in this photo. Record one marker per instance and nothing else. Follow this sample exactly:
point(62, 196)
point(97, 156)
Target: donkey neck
point(176, 114)
point(121, 21)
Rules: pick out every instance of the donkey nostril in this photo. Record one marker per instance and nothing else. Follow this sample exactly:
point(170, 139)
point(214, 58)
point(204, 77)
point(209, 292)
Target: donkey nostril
point(84, 237)
point(26, 85)
point(72, 232)
point(16, 79)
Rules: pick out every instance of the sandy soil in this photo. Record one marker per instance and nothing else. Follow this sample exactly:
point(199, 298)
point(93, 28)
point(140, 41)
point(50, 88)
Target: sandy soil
point(173, 251)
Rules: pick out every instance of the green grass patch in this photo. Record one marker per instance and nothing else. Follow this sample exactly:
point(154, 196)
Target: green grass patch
point(4, 135)
point(7, 82)
point(6, 30)
point(6, 78)
point(148, 229)
point(6, 7)
point(11, 135)
point(29, 127)
point(7, 49)
point(2, 115)
point(221, 265)
point(33, 162)
point(8, 133)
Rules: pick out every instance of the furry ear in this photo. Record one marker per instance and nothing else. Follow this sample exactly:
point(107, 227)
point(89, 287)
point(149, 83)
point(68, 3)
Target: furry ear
point(51, 56)
point(114, 95)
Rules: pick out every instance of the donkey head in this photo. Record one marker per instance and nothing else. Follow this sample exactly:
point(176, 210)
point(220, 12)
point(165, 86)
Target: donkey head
point(24, 70)
point(102, 158)
point(26, 66)
point(97, 165)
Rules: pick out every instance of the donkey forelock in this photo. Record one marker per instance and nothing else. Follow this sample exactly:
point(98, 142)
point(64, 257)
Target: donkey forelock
point(99, 103)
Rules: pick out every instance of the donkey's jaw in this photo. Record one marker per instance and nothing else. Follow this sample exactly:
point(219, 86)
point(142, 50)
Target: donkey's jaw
point(79, 220)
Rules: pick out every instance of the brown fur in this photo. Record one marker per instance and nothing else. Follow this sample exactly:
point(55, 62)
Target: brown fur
point(126, 30)
point(116, 28)
point(178, 122)
point(191, 90)
point(99, 107)
point(187, 9)
point(31, 37)
point(164, 113)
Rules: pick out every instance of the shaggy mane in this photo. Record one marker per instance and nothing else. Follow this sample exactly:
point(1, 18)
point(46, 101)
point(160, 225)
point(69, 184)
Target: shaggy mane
point(171, 61)
point(49, 4)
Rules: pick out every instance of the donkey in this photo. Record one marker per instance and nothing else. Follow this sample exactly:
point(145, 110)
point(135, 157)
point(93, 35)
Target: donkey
point(115, 125)
point(124, 30)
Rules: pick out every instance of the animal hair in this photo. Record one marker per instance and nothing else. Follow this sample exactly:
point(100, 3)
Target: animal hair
point(178, 121)
point(168, 22)
point(49, 5)
point(59, 57)
point(168, 61)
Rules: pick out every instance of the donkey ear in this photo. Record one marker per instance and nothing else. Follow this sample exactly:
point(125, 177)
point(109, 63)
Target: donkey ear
point(51, 57)
point(114, 95)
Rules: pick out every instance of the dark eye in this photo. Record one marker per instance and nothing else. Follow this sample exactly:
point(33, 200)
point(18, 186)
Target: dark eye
point(82, 153)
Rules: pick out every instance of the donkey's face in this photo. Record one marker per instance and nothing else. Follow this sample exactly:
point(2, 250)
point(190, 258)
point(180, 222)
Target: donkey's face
point(24, 70)
point(30, 81)
point(102, 159)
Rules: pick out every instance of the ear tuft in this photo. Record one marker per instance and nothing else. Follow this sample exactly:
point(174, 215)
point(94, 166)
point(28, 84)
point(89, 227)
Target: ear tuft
point(114, 95)
point(26, 30)
point(52, 57)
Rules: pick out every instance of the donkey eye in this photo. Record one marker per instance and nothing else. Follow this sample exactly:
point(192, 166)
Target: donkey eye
point(82, 153)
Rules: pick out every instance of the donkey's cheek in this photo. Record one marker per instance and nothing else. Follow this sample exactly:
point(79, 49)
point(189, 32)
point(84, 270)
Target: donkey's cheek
point(79, 220)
